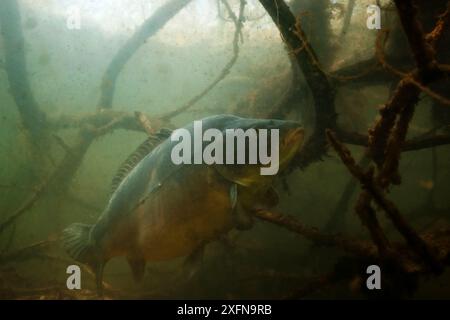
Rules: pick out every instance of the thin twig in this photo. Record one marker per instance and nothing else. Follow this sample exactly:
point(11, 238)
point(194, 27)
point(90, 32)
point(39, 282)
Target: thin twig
point(144, 122)
point(29, 203)
point(225, 71)
point(368, 183)
point(357, 247)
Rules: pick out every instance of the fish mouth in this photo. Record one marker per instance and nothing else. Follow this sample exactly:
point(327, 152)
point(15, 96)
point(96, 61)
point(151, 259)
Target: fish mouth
point(294, 137)
point(292, 142)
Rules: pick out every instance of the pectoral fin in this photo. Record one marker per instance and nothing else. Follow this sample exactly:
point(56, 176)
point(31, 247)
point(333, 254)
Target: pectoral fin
point(193, 262)
point(258, 199)
point(242, 220)
point(137, 265)
point(99, 277)
point(233, 196)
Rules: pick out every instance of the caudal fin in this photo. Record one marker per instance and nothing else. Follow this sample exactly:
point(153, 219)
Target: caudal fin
point(76, 242)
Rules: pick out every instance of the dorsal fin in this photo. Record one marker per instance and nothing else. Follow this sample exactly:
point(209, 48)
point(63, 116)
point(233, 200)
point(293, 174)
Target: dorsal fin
point(134, 158)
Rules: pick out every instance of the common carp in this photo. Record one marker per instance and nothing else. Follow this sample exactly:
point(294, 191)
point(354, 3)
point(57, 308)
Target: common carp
point(161, 210)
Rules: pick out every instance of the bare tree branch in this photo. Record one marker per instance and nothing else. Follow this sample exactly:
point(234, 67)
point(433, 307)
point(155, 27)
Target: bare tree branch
point(420, 142)
point(317, 81)
point(370, 185)
point(29, 203)
point(150, 27)
point(15, 66)
point(357, 247)
point(238, 21)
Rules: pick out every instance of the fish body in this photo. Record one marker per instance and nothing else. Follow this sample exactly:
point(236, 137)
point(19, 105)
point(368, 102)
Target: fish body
point(162, 211)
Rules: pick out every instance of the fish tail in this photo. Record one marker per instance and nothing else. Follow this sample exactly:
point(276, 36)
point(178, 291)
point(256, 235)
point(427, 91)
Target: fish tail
point(77, 243)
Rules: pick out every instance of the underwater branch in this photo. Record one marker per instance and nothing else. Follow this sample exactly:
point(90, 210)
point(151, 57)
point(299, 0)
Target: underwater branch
point(372, 187)
point(33, 118)
point(322, 91)
point(239, 23)
point(291, 223)
point(150, 27)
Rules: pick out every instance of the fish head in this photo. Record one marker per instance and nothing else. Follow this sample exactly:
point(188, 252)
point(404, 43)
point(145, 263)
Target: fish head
point(282, 140)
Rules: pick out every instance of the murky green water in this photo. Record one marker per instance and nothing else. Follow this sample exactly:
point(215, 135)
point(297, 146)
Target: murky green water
point(56, 53)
